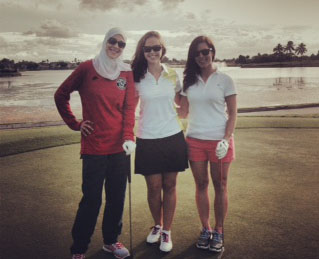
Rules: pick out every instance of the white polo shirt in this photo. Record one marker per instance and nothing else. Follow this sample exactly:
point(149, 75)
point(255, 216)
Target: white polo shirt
point(207, 116)
point(158, 117)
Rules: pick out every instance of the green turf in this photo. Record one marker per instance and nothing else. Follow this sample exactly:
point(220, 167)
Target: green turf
point(273, 197)
point(22, 140)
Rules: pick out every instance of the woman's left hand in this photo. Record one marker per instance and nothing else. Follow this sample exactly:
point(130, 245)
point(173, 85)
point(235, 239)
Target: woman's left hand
point(129, 147)
point(222, 148)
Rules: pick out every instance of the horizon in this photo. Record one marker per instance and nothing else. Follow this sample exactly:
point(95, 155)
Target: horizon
point(39, 29)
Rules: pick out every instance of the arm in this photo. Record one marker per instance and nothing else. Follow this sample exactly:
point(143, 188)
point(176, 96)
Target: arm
point(232, 116)
point(62, 98)
point(130, 103)
point(182, 102)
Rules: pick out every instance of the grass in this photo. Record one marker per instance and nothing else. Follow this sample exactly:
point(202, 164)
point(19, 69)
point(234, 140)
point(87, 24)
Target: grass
point(273, 196)
point(23, 140)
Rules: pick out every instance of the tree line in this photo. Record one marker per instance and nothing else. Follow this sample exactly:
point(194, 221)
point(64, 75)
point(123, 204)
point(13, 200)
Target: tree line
point(281, 53)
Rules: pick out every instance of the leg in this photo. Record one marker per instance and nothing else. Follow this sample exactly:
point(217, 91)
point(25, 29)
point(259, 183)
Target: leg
point(85, 221)
point(118, 166)
point(221, 195)
point(169, 199)
point(200, 173)
point(154, 197)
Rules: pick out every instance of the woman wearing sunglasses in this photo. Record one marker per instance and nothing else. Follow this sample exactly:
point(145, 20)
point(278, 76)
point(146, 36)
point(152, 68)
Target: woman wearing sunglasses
point(209, 135)
point(107, 92)
point(161, 147)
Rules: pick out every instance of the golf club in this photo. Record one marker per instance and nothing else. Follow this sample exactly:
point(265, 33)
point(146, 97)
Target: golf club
point(220, 169)
point(130, 212)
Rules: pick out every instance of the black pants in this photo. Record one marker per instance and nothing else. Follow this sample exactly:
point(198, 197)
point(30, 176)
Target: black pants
point(112, 171)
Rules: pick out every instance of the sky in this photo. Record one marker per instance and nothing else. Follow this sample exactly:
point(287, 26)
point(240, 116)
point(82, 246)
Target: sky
point(64, 30)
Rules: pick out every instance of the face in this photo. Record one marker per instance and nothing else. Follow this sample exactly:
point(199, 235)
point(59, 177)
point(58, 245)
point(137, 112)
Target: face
point(113, 51)
point(202, 60)
point(155, 53)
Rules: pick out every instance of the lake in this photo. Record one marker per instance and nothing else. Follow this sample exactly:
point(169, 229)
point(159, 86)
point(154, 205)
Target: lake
point(29, 98)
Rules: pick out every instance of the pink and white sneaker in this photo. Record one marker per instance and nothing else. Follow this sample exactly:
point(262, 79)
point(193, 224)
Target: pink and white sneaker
point(155, 234)
point(78, 256)
point(166, 241)
point(117, 249)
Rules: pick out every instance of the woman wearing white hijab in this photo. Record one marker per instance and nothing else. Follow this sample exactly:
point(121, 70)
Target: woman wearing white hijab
point(107, 92)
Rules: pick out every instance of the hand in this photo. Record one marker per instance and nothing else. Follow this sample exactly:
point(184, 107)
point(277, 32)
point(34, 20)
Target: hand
point(86, 128)
point(129, 147)
point(222, 148)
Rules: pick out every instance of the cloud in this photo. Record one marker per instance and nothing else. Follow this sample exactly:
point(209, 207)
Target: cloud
point(3, 42)
point(190, 16)
point(268, 37)
point(171, 3)
point(18, 46)
point(104, 5)
point(30, 32)
point(54, 29)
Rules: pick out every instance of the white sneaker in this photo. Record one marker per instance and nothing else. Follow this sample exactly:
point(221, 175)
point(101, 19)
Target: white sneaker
point(154, 235)
point(166, 241)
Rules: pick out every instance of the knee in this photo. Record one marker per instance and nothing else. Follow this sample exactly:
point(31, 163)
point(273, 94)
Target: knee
point(169, 187)
point(202, 185)
point(154, 189)
point(91, 202)
point(220, 187)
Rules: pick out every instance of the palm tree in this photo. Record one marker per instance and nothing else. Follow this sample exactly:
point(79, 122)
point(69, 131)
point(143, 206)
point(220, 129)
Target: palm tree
point(289, 47)
point(301, 49)
point(279, 49)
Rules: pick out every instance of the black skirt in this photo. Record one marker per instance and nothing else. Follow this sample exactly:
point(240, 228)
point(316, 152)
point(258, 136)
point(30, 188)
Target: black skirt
point(163, 155)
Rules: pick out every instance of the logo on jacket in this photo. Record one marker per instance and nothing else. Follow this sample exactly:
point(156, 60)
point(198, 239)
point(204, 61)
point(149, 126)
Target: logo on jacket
point(121, 83)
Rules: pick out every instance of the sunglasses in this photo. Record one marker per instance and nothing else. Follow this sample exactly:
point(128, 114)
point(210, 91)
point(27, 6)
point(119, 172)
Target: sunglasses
point(204, 52)
point(155, 48)
point(113, 41)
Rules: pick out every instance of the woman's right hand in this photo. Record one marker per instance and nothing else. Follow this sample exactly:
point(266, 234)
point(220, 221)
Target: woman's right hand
point(86, 128)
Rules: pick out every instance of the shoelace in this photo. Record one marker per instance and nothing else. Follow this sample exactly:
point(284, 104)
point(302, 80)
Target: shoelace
point(165, 237)
point(205, 234)
point(155, 230)
point(218, 237)
point(118, 245)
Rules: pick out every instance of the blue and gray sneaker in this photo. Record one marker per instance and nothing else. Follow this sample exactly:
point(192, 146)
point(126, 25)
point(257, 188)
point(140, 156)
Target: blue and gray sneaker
point(217, 242)
point(204, 239)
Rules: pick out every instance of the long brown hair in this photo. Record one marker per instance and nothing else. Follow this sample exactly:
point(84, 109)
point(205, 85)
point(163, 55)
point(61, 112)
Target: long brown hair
point(192, 70)
point(139, 63)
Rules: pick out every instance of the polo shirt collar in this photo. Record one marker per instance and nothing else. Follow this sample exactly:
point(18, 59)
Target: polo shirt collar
point(216, 72)
point(165, 69)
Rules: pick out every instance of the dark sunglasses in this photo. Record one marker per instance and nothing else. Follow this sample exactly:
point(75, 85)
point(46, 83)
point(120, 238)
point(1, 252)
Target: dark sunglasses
point(204, 52)
point(155, 48)
point(113, 41)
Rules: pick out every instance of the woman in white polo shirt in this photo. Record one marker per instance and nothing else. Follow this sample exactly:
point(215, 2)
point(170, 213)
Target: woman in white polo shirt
point(212, 112)
point(161, 150)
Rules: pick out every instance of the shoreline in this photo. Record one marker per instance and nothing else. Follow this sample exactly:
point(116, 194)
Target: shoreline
point(314, 63)
point(294, 110)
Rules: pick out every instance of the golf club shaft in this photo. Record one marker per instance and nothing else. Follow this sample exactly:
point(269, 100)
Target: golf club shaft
point(220, 169)
point(130, 212)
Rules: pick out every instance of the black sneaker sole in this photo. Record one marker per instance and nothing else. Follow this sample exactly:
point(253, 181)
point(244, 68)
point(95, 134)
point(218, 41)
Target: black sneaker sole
point(152, 244)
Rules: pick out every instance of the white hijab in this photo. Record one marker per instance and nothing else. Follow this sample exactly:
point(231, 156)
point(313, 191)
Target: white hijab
point(105, 66)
